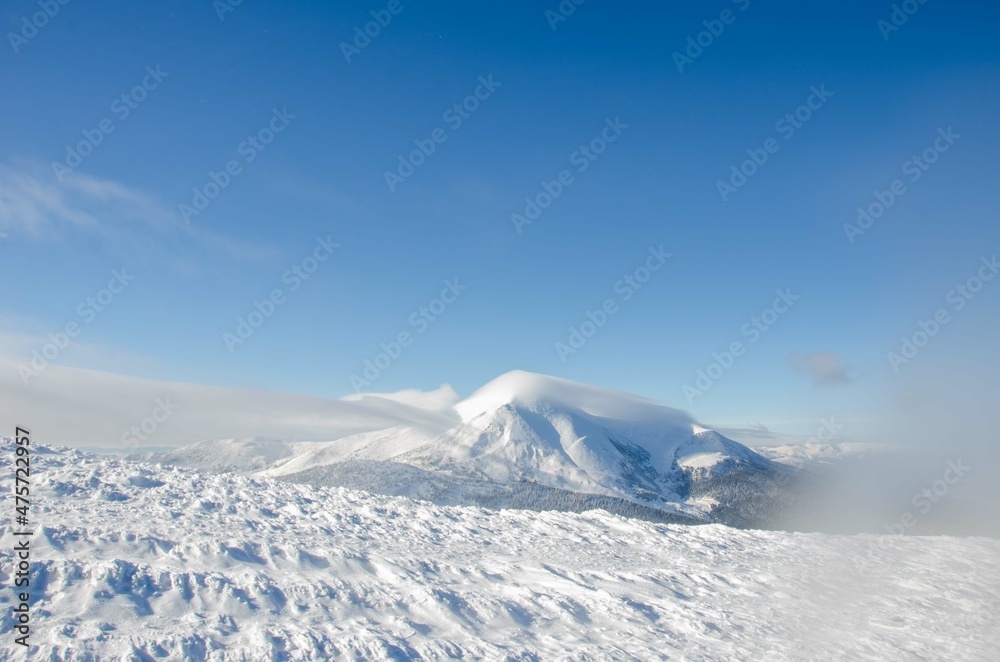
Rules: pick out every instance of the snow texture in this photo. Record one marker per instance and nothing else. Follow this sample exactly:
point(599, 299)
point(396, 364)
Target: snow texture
point(143, 562)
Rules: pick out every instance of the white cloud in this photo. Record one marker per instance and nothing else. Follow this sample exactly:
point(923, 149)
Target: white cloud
point(442, 397)
point(33, 201)
point(79, 407)
point(824, 368)
point(35, 204)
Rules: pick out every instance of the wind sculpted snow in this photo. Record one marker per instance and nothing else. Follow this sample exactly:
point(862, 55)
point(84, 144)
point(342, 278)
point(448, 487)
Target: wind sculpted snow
point(137, 561)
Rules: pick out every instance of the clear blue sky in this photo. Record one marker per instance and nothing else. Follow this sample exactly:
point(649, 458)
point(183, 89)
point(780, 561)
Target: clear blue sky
point(656, 184)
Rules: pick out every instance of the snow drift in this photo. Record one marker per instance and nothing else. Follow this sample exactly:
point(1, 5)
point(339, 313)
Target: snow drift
point(141, 562)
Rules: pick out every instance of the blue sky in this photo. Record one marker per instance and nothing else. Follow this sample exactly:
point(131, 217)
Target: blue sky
point(346, 123)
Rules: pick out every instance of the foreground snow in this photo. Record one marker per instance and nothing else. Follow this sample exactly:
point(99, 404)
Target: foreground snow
point(143, 562)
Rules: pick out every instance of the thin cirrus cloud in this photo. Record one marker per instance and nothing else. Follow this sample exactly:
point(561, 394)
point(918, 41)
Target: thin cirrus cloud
point(823, 368)
point(35, 203)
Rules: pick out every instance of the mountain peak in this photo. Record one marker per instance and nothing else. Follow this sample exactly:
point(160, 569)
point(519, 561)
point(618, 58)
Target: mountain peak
point(533, 391)
point(523, 438)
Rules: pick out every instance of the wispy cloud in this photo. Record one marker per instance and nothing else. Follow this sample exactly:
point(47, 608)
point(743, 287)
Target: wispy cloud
point(74, 406)
point(33, 201)
point(755, 434)
point(35, 204)
point(442, 397)
point(824, 368)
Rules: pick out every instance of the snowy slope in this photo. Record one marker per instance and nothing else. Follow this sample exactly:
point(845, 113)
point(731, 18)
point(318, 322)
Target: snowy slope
point(521, 428)
point(242, 455)
point(141, 562)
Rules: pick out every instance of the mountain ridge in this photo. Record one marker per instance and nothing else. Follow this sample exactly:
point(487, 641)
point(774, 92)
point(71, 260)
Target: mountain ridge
point(556, 435)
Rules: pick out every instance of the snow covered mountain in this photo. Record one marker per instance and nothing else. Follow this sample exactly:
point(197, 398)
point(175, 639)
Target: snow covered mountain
point(528, 440)
point(135, 561)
